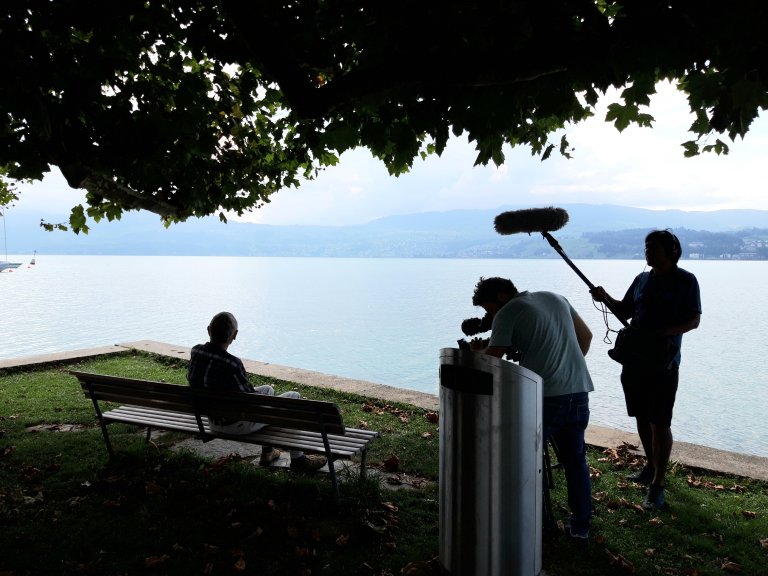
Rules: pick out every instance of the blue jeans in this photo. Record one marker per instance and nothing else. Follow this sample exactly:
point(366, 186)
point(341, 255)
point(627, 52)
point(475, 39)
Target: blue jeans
point(565, 419)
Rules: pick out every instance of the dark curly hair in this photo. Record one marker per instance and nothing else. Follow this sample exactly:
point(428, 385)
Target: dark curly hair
point(487, 289)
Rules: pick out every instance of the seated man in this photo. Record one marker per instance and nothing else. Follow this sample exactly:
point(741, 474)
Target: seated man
point(211, 366)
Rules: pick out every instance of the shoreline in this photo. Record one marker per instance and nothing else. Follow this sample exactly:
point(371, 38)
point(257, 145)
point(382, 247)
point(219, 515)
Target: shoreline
point(692, 455)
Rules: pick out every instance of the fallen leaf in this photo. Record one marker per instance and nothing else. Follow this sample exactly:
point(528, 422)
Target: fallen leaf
point(656, 521)
point(432, 417)
point(36, 499)
point(31, 473)
point(151, 488)
point(362, 424)
point(418, 568)
point(426, 435)
point(763, 542)
point(379, 529)
point(342, 540)
point(239, 565)
point(729, 566)
point(649, 551)
point(153, 561)
point(392, 464)
point(619, 561)
point(389, 506)
point(748, 514)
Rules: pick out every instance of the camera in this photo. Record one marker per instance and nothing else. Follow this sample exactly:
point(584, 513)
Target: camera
point(472, 326)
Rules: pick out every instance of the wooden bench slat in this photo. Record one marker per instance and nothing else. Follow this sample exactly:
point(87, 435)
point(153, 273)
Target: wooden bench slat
point(282, 437)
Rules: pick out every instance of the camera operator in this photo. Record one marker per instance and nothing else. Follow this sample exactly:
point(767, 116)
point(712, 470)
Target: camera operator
point(552, 340)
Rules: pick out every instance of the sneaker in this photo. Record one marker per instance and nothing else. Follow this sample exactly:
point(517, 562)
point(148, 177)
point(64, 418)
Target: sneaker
point(308, 463)
point(574, 533)
point(268, 457)
point(655, 498)
point(643, 476)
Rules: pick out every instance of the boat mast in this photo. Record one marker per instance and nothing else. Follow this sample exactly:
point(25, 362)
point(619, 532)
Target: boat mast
point(5, 240)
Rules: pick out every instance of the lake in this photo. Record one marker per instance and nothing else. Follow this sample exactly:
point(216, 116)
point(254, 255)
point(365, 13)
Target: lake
point(385, 320)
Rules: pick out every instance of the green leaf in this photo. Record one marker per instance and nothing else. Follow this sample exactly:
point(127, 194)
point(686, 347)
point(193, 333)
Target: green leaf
point(77, 220)
point(691, 149)
point(620, 115)
point(640, 90)
point(719, 147)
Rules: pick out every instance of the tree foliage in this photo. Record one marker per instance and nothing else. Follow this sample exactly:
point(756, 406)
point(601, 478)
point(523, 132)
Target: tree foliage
point(189, 107)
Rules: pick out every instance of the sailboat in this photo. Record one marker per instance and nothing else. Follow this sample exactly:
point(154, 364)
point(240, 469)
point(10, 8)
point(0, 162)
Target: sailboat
point(32, 262)
point(4, 264)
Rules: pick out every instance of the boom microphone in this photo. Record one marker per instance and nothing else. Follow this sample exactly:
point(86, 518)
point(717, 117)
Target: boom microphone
point(531, 220)
point(543, 220)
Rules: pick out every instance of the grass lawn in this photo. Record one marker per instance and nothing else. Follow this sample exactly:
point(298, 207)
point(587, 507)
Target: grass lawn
point(65, 508)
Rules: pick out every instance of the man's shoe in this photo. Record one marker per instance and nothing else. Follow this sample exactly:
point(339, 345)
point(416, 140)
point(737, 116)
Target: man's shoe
point(642, 476)
point(308, 463)
point(574, 533)
point(655, 498)
point(268, 457)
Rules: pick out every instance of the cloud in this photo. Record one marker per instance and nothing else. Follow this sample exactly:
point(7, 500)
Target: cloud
point(50, 196)
point(641, 167)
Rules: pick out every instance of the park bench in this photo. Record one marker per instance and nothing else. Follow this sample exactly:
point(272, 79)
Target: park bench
point(293, 424)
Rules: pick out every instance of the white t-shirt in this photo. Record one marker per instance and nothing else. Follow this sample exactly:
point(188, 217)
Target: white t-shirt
point(540, 326)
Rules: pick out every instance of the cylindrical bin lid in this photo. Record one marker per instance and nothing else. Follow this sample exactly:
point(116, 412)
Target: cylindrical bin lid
point(490, 466)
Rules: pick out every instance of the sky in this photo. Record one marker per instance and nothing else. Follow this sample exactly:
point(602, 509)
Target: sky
point(638, 167)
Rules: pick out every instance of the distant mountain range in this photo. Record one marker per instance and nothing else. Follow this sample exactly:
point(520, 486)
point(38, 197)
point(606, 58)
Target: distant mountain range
point(593, 231)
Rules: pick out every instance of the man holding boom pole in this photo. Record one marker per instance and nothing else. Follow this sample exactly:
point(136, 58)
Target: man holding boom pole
point(664, 303)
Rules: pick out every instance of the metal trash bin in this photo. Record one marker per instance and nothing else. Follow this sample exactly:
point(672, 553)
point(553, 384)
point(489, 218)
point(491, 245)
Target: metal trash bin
point(490, 466)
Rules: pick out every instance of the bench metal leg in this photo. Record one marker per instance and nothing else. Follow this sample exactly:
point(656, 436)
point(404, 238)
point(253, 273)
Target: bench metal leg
point(106, 439)
point(103, 425)
point(331, 469)
point(363, 469)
